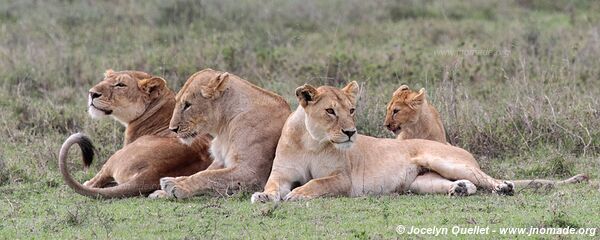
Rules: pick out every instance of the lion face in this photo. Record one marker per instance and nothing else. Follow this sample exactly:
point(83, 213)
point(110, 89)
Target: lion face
point(404, 108)
point(329, 113)
point(124, 95)
point(196, 111)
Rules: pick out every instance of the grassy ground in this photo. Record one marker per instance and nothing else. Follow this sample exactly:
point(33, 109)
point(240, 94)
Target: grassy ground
point(525, 103)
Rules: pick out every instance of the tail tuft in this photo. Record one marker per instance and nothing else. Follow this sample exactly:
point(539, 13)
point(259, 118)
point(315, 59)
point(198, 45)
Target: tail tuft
point(87, 150)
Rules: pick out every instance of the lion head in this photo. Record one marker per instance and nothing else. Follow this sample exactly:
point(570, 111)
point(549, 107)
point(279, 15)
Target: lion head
point(124, 95)
point(404, 108)
point(329, 113)
point(196, 109)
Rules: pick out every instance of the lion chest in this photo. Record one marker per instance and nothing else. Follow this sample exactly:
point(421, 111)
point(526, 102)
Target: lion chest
point(219, 150)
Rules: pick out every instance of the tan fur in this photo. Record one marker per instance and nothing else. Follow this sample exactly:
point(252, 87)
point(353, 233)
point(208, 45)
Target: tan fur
point(410, 116)
point(144, 104)
point(313, 153)
point(245, 122)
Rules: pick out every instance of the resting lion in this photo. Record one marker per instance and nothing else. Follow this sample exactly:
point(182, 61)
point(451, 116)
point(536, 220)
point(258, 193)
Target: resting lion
point(245, 122)
point(321, 151)
point(144, 104)
point(410, 116)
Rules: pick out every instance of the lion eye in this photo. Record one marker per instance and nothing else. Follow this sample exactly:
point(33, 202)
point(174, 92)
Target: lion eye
point(396, 111)
point(352, 110)
point(186, 105)
point(330, 111)
point(120, 85)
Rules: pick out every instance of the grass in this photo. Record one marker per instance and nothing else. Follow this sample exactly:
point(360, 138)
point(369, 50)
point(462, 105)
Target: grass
point(526, 105)
point(66, 215)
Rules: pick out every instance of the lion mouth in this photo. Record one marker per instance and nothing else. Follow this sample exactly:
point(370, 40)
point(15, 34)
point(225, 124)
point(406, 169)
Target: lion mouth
point(188, 135)
point(107, 112)
point(395, 130)
point(188, 138)
point(344, 142)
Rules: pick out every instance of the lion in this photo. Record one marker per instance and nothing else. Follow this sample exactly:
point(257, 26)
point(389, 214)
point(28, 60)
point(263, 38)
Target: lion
point(321, 152)
point(410, 116)
point(245, 122)
point(144, 104)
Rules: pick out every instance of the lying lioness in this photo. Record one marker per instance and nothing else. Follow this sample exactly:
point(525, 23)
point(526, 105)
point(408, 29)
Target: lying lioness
point(144, 104)
point(410, 116)
point(245, 122)
point(321, 151)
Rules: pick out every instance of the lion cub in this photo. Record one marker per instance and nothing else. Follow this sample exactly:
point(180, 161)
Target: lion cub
point(245, 122)
point(410, 116)
point(144, 104)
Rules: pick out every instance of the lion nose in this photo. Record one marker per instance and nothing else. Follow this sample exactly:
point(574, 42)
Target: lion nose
point(94, 95)
point(388, 126)
point(175, 130)
point(350, 132)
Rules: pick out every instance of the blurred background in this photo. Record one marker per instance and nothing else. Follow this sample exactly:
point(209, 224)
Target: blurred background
point(516, 82)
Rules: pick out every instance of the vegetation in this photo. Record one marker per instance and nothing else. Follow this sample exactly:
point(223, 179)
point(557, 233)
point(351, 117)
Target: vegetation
point(516, 84)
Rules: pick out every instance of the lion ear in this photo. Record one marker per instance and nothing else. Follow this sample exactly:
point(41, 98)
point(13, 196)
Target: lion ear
point(152, 86)
point(108, 72)
point(352, 91)
point(216, 86)
point(306, 94)
point(417, 99)
point(401, 89)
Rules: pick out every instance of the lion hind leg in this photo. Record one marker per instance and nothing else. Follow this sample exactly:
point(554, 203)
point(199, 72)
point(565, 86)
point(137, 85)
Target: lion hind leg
point(102, 179)
point(455, 169)
point(430, 183)
point(433, 183)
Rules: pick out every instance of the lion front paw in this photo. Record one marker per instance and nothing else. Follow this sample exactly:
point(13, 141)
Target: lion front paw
point(262, 197)
point(158, 194)
point(506, 188)
point(462, 188)
point(297, 196)
point(174, 188)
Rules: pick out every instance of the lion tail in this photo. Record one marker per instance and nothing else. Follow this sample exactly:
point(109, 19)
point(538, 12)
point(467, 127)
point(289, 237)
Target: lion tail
point(87, 150)
point(539, 183)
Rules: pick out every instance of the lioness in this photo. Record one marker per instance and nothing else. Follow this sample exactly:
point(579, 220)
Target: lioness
point(245, 122)
point(321, 151)
point(410, 116)
point(144, 104)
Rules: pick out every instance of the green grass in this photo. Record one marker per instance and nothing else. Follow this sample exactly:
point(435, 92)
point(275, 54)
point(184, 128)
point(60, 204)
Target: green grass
point(68, 216)
point(532, 111)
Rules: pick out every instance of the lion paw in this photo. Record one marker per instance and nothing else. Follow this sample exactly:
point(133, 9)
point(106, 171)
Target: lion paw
point(261, 197)
point(506, 188)
point(158, 194)
point(462, 188)
point(296, 196)
point(173, 188)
